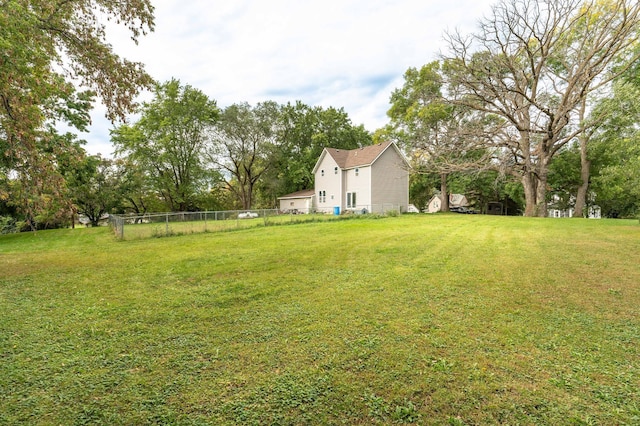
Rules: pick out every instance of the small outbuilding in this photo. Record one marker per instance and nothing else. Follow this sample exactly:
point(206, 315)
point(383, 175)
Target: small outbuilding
point(297, 202)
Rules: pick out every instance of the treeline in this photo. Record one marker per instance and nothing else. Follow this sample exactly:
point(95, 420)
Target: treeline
point(542, 100)
point(538, 107)
point(185, 153)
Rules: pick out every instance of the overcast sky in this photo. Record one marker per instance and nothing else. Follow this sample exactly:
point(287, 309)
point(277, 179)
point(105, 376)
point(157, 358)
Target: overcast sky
point(347, 54)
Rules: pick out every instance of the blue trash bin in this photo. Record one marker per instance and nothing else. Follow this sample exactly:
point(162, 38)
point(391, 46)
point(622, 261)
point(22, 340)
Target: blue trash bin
point(336, 210)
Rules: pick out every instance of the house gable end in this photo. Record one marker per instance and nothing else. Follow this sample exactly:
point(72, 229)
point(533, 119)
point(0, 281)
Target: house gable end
point(322, 155)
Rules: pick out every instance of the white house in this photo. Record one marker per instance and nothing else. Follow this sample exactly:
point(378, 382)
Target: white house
point(372, 179)
point(593, 212)
point(554, 208)
point(298, 202)
point(455, 200)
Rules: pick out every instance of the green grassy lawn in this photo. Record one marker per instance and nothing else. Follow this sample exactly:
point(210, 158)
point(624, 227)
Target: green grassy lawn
point(445, 319)
point(177, 227)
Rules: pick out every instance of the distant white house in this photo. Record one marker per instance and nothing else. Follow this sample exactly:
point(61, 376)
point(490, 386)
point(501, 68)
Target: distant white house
point(593, 212)
point(371, 179)
point(554, 209)
point(455, 200)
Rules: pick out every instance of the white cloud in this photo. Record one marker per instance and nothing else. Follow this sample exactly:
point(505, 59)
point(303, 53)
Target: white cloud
point(347, 54)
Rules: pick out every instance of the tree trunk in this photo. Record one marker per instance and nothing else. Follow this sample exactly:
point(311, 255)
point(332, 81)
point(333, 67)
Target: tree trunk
point(247, 192)
point(585, 167)
point(541, 190)
point(529, 182)
point(444, 193)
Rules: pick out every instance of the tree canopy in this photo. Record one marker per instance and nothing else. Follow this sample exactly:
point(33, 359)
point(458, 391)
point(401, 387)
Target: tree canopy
point(169, 142)
point(532, 63)
point(440, 136)
point(47, 49)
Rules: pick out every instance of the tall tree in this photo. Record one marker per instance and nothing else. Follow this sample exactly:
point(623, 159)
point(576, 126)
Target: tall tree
point(46, 48)
point(93, 184)
point(616, 150)
point(242, 143)
point(135, 189)
point(169, 142)
point(439, 136)
point(302, 133)
point(532, 63)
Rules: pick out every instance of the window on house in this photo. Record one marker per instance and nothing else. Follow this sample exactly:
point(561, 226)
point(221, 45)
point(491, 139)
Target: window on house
point(351, 200)
point(321, 172)
point(357, 172)
point(322, 196)
point(335, 171)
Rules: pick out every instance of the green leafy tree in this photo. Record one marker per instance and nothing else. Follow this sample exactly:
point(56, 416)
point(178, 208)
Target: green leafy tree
point(422, 186)
point(617, 183)
point(93, 184)
point(134, 188)
point(440, 137)
point(242, 145)
point(47, 47)
point(302, 133)
point(168, 142)
point(616, 152)
point(45, 203)
point(532, 63)
point(564, 178)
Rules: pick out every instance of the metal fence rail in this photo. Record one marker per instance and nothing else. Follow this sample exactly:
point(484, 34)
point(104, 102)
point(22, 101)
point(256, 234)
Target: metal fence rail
point(150, 225)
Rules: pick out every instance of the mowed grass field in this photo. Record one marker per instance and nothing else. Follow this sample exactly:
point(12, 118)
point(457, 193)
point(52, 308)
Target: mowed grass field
point(177, 227)
point(445, 319)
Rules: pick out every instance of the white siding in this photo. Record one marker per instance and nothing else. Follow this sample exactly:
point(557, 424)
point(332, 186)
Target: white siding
point(303, 205)
point(389, 182)
point(360, 185)
point(329, 182)
point(434, 205)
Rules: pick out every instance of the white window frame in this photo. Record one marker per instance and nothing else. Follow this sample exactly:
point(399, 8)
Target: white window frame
point(351, 200)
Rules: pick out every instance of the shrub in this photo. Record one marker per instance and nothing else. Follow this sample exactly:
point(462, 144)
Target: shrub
point(9, 225)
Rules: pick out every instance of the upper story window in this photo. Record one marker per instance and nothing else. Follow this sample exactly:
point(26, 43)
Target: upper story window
point(335, 171)
point(322, 172)
point(357, 172)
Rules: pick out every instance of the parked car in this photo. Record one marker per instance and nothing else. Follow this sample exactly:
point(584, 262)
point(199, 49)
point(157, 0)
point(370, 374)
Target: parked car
point(462, 210)
point(247, 215)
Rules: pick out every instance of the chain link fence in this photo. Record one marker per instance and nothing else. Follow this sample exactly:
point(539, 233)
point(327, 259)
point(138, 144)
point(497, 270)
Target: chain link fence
point(132, 227)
